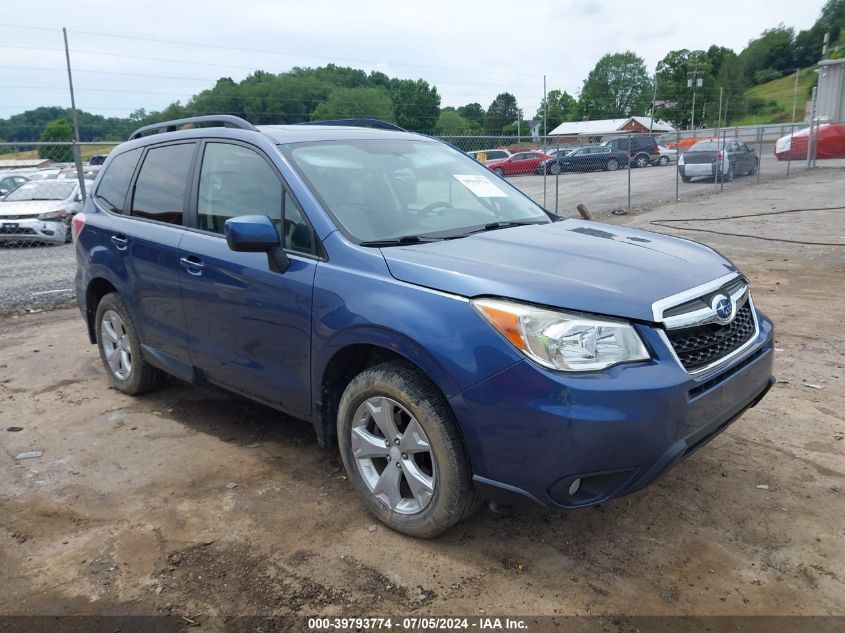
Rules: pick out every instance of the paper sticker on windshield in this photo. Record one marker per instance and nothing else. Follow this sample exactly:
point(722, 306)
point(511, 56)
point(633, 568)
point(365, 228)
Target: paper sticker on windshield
point(480, 186)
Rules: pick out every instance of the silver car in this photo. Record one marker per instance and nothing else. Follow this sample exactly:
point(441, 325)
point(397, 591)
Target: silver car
point(40, 211)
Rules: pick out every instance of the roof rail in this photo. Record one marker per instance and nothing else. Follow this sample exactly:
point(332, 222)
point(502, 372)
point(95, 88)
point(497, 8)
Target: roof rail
point(359, 122)
point(222, 120)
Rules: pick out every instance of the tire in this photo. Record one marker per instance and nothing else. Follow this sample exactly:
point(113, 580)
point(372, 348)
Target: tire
point(686, 178)
point(499, 172)
point(663, 161)
point(754, 168)
point(133, 374)
point(434, 452)
point(68, 234)
point(731, 173)
point(640, 161)
point(555, 169)
point(612, 165)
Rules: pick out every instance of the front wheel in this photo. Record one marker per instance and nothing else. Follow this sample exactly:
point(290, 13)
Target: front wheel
point(402, 451)
point(499, 171)
point(754, 168)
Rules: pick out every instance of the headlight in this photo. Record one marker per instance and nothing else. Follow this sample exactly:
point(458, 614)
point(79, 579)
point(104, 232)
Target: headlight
point(55, 216)
point(561, 340)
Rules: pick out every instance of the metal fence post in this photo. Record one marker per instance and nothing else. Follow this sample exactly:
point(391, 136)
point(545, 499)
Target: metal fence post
point(546, 169)
point(557, 180)
point(678, 167)
point(759, 152)
point(722, 162)
point(628, 208)
point(791, 137)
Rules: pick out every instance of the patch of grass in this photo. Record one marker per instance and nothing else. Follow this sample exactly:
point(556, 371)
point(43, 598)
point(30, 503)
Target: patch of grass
point(86, 152)
point(778, 95)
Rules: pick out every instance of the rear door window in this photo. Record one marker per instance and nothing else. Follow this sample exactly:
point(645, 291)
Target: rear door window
point(111, 192)
point(161, 184)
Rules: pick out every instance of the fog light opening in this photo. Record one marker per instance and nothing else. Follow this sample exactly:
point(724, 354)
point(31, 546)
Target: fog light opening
point(574, 487)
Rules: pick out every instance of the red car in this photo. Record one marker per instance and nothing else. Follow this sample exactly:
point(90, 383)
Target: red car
point(830, 143)
point(521, 163)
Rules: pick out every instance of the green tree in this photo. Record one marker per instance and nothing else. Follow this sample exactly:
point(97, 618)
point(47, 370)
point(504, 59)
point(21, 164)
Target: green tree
point(561, 107)
point(674, 73)
point(502, 111)
point(345, 103)
point(773, 49)
point(416, 104)
point(473, 112)
point(450, 123)
point(512, 129)
point(57, 130)
point(618, 86)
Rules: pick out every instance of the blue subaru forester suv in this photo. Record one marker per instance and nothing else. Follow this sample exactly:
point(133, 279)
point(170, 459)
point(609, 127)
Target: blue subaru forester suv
point(453, 339)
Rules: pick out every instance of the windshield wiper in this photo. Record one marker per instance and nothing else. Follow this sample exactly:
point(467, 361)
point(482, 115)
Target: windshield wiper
point(505, 224)
point(399, 241)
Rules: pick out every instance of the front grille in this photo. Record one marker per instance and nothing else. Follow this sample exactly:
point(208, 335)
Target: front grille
point(16, 230)
point(702, 345)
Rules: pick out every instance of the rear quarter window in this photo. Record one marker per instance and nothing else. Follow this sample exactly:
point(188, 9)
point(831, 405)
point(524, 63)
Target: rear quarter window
point(111, 192)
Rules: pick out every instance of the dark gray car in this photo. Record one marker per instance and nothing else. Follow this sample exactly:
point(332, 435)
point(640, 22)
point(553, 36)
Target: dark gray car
point(718, 160)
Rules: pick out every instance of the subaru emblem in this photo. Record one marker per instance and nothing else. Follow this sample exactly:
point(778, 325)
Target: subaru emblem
point(723, 307)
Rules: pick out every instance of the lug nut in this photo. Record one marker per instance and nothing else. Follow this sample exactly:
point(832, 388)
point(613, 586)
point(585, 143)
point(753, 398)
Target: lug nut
point(387, 443)
point(404, 455)
point(396, 441)
point(399, 465)
point(388, 458)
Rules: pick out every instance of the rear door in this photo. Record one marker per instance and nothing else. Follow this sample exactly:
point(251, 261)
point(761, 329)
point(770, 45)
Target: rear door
point(145, 238)
point(249, 327)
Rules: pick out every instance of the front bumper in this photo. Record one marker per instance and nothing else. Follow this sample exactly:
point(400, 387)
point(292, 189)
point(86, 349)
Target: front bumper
point(531, 433)
point(32, 230)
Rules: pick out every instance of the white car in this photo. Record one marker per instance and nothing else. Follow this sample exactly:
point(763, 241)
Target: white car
point(666, 155)
point(40, 211)
point(485, 156)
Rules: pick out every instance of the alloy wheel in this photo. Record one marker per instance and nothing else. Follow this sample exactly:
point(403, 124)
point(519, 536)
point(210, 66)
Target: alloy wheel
point(116, 346)
point(393, 455)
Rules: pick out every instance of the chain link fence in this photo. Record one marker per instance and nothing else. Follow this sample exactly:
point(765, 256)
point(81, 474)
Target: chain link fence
point(611, 174)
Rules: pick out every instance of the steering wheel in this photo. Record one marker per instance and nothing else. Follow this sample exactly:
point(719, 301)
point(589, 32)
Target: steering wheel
point(431, 208)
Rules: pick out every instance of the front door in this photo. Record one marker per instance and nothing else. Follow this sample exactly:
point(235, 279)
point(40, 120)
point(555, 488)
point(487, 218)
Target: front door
point(249, 328)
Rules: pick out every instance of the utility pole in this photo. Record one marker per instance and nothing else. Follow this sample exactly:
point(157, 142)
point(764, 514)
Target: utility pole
point(694, 83)
point(719, 119)
point(795, 94)
point(545, 109)
point(653, 102)
point(76, 158)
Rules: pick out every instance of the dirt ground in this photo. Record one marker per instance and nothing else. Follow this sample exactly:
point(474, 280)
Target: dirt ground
point(193, 502)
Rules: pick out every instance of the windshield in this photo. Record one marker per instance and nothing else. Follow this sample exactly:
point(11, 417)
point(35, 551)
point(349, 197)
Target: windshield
point(382, 190)
point(42, 190)
point(706, 146)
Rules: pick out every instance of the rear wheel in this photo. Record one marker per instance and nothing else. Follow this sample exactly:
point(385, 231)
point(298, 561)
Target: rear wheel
point(731, 173)
point(612, 165)
point(499, 171)
point(664, 160)
point(754, 168)
point(120, 349)
point(686, 178)
point(402, 451)
point(641, 160)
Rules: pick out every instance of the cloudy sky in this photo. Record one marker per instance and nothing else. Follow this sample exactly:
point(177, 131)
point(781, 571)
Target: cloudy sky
point(145, 54)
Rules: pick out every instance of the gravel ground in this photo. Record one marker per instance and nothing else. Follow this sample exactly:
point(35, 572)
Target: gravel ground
point(35, 277)
point(193, 502)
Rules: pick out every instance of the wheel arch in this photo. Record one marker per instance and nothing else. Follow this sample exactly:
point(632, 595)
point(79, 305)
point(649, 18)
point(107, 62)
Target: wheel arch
point(97, 288)
point(348, 360)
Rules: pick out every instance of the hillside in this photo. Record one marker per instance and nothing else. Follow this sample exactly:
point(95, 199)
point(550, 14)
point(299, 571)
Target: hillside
point(771, 102)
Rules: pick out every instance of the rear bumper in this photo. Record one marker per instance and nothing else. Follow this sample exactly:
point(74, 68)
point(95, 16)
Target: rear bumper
point(698, 170)
point(531, 433)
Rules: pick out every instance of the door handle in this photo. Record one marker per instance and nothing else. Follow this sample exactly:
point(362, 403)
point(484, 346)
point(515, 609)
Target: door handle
point(192, 264)
point(120, 242)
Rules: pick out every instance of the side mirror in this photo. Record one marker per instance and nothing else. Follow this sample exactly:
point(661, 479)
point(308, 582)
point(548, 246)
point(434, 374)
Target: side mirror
point(3, 192)
point(256, 234)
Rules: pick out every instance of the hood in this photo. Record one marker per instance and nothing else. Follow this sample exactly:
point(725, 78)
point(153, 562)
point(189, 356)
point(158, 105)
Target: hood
point(572, 264)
